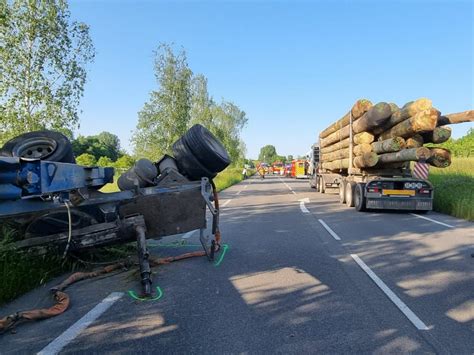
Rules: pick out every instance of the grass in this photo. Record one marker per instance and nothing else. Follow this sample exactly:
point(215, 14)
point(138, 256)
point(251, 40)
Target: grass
point(454, 188)
point(21, 271)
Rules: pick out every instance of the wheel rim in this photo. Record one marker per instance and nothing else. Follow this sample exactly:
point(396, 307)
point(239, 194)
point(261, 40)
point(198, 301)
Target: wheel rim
point(35, 148)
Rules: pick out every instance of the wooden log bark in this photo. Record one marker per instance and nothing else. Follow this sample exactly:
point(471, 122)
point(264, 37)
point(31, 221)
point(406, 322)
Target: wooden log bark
point(360, 107)
point(440, 157)
point(336, 146)
point(423, 121)
point(363, 137)
point(413, 154)
point(389, 145)
point(342, 164)
point(414, 142)
point(459, 117)
point(394, 107)
point(360, 149)
point(438, 135)
point(366, 160)
point(374, 117)
point(408, 110)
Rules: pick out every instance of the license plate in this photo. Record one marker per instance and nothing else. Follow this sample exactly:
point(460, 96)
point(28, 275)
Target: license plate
point(399, 192)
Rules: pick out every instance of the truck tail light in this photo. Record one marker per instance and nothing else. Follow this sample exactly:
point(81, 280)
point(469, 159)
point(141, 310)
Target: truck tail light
point(373, 189)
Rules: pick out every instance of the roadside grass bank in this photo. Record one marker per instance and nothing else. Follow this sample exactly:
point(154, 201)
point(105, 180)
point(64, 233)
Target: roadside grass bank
point(22, 271)
point(454, 188)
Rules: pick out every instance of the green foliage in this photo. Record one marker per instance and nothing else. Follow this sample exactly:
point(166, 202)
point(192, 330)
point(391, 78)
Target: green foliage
point(86, 159)
point(289, 158)
point(454, 188)
point(124, 162)
point(268, 154)
point(181, 101)
point(43, 58)
point(462, 147)
point(104, 144)
point(165, 117)
point(105, 162)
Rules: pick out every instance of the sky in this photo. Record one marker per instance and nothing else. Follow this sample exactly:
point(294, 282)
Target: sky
point(294, 67)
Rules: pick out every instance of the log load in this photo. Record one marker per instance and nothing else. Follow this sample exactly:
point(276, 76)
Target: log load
point(441, 158)
point(414, 142)
point(344, 153)
point(413, 154)
point(460, 117)
point(339, 145)
point(437, 135)
point(363, 137)
point(388, 145)
point(374, 117)
point(360, 107)
point(366, 160)
point(423, 121)
point(360, 149)
point(408, 110)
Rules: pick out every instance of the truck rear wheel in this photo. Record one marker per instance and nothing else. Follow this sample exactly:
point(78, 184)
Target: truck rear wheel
point(359, 198)
point(342, 192)
point(350, 187)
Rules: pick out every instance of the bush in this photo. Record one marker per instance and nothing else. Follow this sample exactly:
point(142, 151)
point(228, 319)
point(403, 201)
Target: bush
point(86, 159)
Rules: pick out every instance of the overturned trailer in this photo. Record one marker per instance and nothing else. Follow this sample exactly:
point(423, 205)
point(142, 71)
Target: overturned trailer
point(55, 202)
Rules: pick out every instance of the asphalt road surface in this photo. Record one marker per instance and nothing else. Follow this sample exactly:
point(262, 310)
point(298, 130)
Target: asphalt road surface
point(302, 274)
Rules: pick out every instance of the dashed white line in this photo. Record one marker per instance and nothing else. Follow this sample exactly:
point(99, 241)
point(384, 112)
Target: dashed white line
point(417, 322)
point(226, 203)
point(73, 331)
point(303, 207)
point(432, 220)
point(334, 235)
point(238, 193)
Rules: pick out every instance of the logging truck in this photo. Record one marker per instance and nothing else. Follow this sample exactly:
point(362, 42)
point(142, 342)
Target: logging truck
point(387, 188)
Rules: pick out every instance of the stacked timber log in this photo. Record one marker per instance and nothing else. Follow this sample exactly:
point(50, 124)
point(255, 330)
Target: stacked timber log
point(386, 136)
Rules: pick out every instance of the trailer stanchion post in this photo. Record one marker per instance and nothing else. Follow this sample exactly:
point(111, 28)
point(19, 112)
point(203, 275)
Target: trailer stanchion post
point(143, 254)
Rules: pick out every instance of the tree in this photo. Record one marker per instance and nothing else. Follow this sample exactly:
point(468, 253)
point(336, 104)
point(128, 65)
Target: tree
point(104, 162)
point(201, 103)
point(124, 162)
point(267, 154)
point(43, 58)
point(86, 159)
point(165, 117)
point(104, 144)
point(289, 158)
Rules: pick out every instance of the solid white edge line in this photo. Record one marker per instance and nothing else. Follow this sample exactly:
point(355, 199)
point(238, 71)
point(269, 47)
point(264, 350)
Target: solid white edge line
point(334, 235)
point(432, 220)
point(417, 322)
point(303, 208)
point(74, 330)
point(226, 203)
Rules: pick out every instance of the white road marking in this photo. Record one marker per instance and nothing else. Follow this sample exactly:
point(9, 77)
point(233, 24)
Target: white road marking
point(246, 186)
point(293, 192)
point(188, 234)
point(226, 203)
point(432, 220)
point(334, 235)
point(417, 322)
point(73, 331)
point(238, 193)
point(303, 207)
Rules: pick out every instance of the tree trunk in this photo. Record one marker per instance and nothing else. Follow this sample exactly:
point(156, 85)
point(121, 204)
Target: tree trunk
point(342, 164)
point(339, 145)
point(413, 154)
point(363, 137)
point(374, 117)
point(441, 158)
point(438, 135)
point(366, 160)
point(389, 145)
point(359, 108)
point(423, 121)
point(415, 142)
point(362, 148)
point(460, 117)
point(410, 109)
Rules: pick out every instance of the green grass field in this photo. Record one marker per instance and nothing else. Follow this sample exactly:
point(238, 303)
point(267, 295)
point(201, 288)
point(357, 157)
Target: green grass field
point(454, 188)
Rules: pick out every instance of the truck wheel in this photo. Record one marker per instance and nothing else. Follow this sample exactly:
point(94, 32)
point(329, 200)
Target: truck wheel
point(350, 187)
point(359, 198)
point(342, 192)
point(188, 164)
point(43, 145)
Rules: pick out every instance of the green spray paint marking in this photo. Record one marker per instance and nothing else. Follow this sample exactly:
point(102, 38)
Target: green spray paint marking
point(225, 247)
point(159, 294)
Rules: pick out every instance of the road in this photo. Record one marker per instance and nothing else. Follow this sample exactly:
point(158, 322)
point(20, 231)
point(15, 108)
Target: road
point(302, 273)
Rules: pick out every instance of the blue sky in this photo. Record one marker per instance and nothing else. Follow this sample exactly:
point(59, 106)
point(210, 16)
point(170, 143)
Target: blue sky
point(293, 66)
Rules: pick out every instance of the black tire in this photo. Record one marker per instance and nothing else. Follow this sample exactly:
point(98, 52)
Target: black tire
point(188, 164)
point(350, 187)
point(342, 192)
point(43, 145)
point(359, 198)
point(206, 148)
